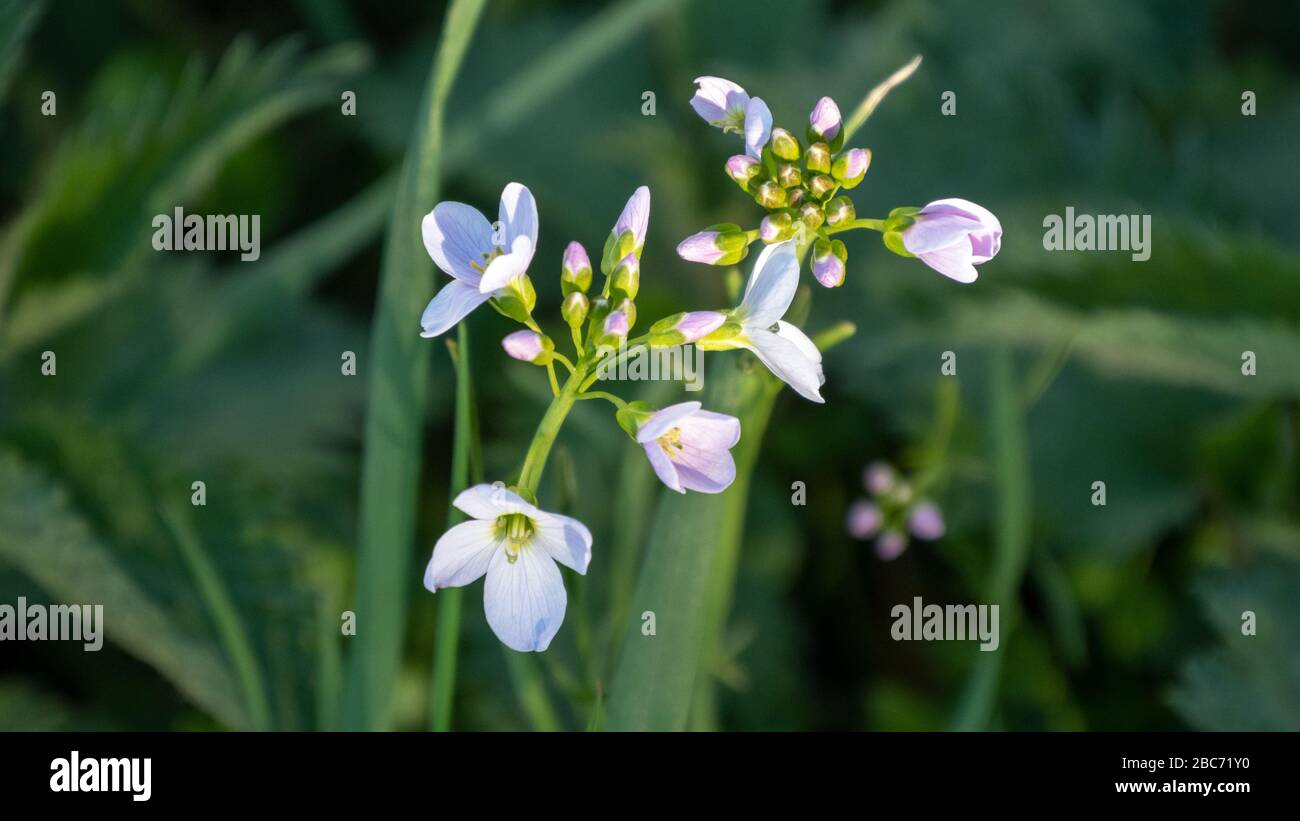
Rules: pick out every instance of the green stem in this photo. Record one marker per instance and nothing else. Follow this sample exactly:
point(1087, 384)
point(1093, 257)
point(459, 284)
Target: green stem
point(608, 397)
point(874, 225)
point(530, 475)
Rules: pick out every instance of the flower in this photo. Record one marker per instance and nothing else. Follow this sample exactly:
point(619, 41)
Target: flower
point(756, 324)
point(952, 236)
point(864, 519)
point(824, 121)
point(689, 448)
point(528, 346)
point(720, 245)
point(462, 243)
point(517, 546)
point(575, 269)
point(891, 545)
point(725, 105)
point(826, 266)
point(926, 522)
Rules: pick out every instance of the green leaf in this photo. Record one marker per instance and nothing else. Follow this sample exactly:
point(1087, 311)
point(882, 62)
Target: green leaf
point(399, 360)
point(45, 537)
point(1250, 682)
point(686, 580)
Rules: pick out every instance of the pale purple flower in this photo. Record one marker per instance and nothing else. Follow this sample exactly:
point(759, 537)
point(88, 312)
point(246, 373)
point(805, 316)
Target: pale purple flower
point(697, 324)
point(635, 218)
point(825, 119)
point(690, 448)
point(525, 345)
point(701, 247)
point(828, 269)
point(952, 236)
point(890, 545)
point(785, 350)
point(720, 102)
point(879, 478)
point(926, 522)
point(516, 546)
point(462, 243)
point(864, 519)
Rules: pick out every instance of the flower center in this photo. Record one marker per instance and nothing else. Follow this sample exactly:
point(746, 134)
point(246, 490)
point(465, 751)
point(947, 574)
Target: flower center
point(516, 530)
point(671, 442)
point(481, 267)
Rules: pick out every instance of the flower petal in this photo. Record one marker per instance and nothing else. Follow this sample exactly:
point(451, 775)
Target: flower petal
point(455, 235)
point(710, 431)
point(461, 555)
point(758, 126)
point(452, 304)
point(665, 420)
point(507, 267)
point(524, 601)
point(954, 262)
point(490, 501)
point(663, 466)
point(703, 467)
point(789, 360)
point(518, 215)
point(772, 285)
point(931, 233)
point(635, 217)
point(565, 538)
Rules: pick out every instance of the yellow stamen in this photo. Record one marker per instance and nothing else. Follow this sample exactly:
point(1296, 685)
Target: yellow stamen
point(516, 530)
point(671, 442)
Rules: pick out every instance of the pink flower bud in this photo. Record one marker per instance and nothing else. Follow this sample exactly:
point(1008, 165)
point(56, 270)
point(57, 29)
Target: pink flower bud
point(825, 119)
point(926, 522)
point(863, 520)
point(526, 346)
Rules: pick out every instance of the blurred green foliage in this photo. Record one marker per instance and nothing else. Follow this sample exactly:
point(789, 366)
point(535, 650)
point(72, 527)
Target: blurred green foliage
point(174, 368)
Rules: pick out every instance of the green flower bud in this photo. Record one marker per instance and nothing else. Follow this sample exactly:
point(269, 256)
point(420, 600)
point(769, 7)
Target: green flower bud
point(517, 299)
point(820, 186)
point(776, 227)
point(574, 308)
point(788, 175)
point(817, 158)
point(575, 271)
point(785, 145)
point(851, 166)
point(628, 307)
point(770, 195)
point(795, 196)
point(812, 215)
point(840, 211)
point(626, 279)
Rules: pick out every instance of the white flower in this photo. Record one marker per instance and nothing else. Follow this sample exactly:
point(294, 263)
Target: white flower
point(462, 243)
point(756, 324)
point(517, 546)
point(689, 448)
point(725, 105)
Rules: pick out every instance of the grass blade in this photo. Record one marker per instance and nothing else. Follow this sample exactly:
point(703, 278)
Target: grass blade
point(398, 371)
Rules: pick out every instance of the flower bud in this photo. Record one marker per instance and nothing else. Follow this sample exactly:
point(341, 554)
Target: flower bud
point(864, 519)
point(820, 186)
point(682, 328)
point(770, 195)
point(817, 159)
point(628, 309)
point(529, 346)
point(851, 166)
point(574, 308)
point(788, 175)
point(615, 328)
point(785, 145)
point(722, 244)
point(776, 227)
point(742, 169)
point(826, 266)
point(812, 215)
point(824, 121)
point(926, 522)
point(626, 279)
point(839, 211)
point(795, 196)
point(879, 478)
point(891, 545)
point(575, 271)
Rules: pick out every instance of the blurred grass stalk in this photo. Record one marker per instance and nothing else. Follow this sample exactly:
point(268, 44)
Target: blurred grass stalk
point(1010, 460)
point(398, 365)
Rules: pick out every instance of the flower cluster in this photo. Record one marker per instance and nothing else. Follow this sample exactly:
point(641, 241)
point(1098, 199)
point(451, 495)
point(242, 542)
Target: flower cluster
point(892, 512)
point(799, 185)
point(508, 538)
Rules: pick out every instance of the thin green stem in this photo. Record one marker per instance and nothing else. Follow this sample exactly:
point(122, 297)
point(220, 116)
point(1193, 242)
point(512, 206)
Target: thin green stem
point(563, 360)
point(530, 475)
point(874, 225)
point(555, 385)
point(608, 397)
